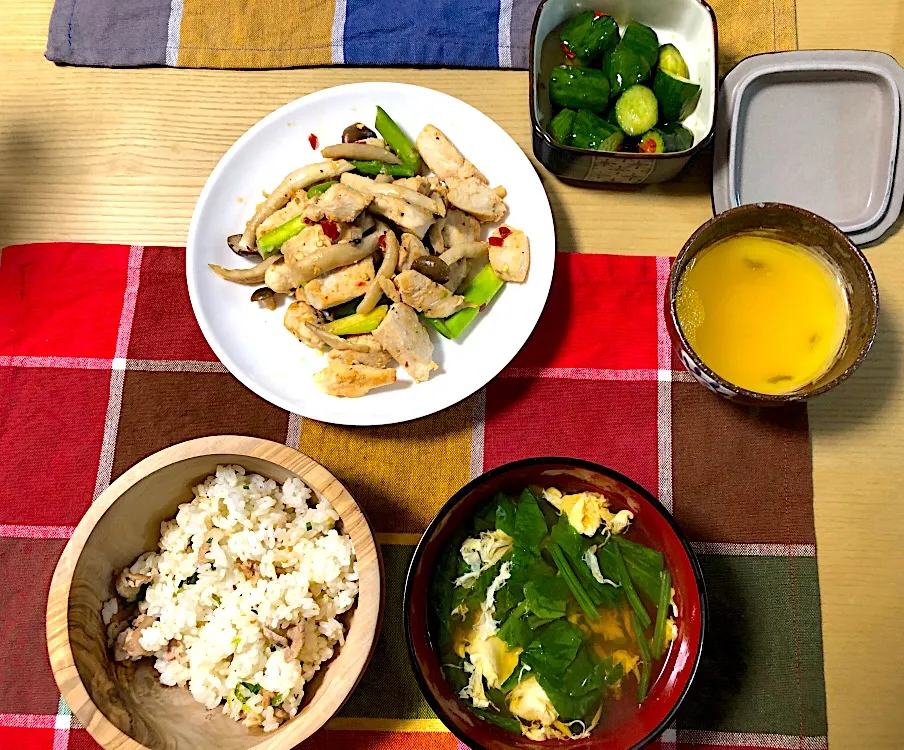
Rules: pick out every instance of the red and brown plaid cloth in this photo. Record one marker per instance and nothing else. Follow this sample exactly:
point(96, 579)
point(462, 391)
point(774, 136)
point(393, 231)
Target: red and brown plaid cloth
point(102, 363)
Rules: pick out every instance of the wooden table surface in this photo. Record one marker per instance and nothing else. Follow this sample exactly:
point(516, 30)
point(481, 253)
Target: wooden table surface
point(120, 156)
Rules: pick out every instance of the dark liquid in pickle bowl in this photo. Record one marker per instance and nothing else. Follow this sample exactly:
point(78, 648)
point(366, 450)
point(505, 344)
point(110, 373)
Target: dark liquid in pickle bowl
point(552, 612)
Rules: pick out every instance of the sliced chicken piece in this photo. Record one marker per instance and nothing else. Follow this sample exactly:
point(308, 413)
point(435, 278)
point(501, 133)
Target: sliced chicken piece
point(442, 157)
point(371, 359)
point(340, 378)
point(458, 228)
point(426, 296)
point(421, 184)
point(299, 313)
point(304, 244)
point(410, 218)
point(429, 186)
point(437, 188)
point(128, 584)
point(340, 285)
point(293, 208)
point(410, 250)
point(510, 255)
point(127, 646)
point(405, 338)
point(300, 179)
point(273, 637)
point(278, 277)
point(365, 343)
point(388, 288)
point(295, 635)
point(338, 203)
point(458, 272)
point(476, 198)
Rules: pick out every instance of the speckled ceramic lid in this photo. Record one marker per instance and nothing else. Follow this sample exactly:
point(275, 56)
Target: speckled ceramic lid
point(816, 129)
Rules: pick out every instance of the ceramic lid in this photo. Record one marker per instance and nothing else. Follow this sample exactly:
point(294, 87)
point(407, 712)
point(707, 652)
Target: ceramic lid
point(817, 129)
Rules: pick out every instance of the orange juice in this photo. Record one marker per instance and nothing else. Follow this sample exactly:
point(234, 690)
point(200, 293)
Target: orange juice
point(764, 314)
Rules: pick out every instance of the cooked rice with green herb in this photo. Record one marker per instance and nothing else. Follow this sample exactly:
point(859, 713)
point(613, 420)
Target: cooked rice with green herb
point(241, 601)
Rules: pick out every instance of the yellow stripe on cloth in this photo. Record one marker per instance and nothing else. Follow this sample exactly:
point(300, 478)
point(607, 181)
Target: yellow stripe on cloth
point(752, 27)
point(254, 33)
point(399, 474)
point(387, 725)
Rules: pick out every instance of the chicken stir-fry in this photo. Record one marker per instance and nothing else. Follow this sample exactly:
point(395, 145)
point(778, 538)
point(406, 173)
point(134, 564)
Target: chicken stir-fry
point(383, 244)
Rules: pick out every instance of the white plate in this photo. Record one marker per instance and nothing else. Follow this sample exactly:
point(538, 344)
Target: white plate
point(252, 342)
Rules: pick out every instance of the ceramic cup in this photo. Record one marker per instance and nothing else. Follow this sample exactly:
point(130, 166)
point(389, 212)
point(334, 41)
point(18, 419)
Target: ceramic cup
point(799, 227)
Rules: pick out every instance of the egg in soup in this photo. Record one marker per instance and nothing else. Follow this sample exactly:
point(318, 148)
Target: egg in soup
point(764, 314)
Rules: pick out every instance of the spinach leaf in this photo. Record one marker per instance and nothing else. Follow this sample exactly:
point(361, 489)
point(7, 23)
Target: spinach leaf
point(508, 722)
point(547, 597)
point(515, 631)
point(574, 545)
point(475, 595)
point(529, 531)
point(550, 512)
point(521, 672)
point(578, 693)
point(456, 675)
point(644, 566)
point(440, 599)
point(568, 538)
point(505, 514)
point(613, 566)
point(553, 649)
point(530, 526)
point(485, 517)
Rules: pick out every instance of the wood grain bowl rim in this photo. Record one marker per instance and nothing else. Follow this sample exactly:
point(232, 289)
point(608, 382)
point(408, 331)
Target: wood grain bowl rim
point(331, 695)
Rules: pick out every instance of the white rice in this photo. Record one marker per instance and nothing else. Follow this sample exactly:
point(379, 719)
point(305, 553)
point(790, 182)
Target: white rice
point(208, 635)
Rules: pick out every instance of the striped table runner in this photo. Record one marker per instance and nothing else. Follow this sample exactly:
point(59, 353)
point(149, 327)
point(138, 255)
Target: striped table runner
point(102, 363)
point(287, 33)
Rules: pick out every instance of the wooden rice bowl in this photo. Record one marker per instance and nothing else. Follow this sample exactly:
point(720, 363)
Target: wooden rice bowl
point(124, 706)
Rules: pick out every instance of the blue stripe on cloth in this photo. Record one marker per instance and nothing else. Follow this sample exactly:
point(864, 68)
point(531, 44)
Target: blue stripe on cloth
point(422, 32)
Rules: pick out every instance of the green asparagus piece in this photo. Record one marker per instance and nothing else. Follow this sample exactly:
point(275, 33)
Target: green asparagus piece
point(357, 323)
point(571, 579)
point(662, 612)
point(480, 291)
point(271, 242)
point(380, 167)
point(397, 140)
point(646, 659)
point(320, 188)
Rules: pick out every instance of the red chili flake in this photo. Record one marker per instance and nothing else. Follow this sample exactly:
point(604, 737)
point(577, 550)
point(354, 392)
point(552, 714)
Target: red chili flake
point(504, 232)
point(309, 222)
point(599, 14)
point(312, 139)
point(496, 241)
point(360, 283)
point(648, 146)
point(330, 229)
point(567, 50)
point(382, 241)
point(482, 308)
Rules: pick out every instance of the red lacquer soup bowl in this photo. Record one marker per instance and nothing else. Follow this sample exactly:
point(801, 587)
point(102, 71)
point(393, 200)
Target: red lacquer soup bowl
point(653, 525)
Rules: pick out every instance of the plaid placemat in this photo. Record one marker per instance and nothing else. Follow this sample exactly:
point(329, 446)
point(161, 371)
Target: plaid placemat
point(286, 33)
point(102, 363)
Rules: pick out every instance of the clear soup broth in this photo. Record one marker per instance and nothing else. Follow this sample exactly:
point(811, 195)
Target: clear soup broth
point(764, 314)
